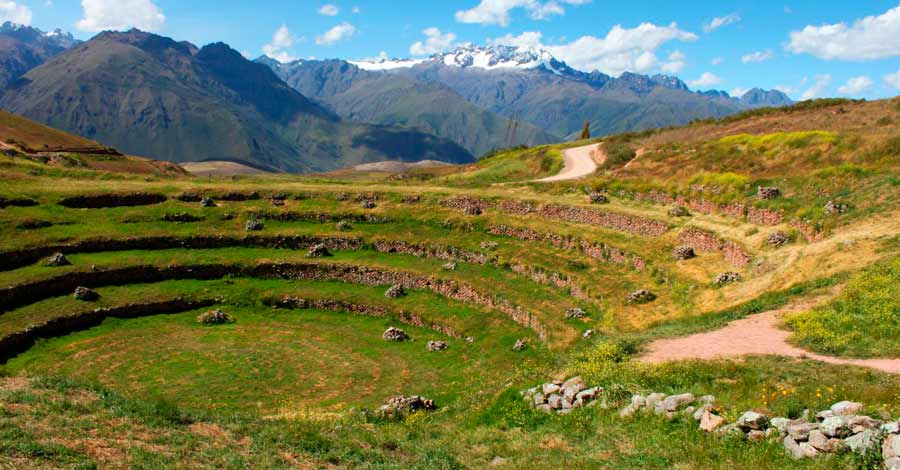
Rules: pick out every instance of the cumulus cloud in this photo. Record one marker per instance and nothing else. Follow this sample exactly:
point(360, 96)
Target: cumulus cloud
point(497, 11)
point(12, 11)
point(758, 56)
point(337, 34)
point(328, 10)
point(435, 42)
point(893, 80)
point(282, 40)
point(818, 87)
point(102, 15)
point(718, 22)
point(675, 64)
point(621, 50)
point(706, 80)
point(856, 86)
point(869, 38)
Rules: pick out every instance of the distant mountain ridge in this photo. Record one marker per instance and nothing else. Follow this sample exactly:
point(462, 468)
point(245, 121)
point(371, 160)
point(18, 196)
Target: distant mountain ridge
point(22, 48)
point(150, 95)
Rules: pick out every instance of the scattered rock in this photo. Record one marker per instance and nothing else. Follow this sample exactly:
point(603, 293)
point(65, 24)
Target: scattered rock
point(679, 211)
point(57, 259)
point(433, 346)
point(394, 334)
point(835, 208)
point(214, 317)
point(207, 202)
point(400, 405)
point(253, 226)
point(343, 226)
point(641, 296)
point(766, 192)
point(520, 345)
point(598, 198)
point(318, 250)
point(367, 204)
point(395, 292)
point(450, 266)
point(711, 422)
point(472, 210)
point(277, 202)
point(498, 461)
point(727, 278)
point(752, 420)
point(575, 313)
point(588, 334)
point(683, 252)
point(778, 239)
point(85, 294)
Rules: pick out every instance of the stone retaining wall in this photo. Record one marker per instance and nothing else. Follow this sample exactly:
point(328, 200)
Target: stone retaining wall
point(701, 240)
point(599, 251)
point(753, 215)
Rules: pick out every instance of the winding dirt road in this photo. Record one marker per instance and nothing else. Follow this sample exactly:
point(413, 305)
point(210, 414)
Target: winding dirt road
point(578, 162)
point(755, 335)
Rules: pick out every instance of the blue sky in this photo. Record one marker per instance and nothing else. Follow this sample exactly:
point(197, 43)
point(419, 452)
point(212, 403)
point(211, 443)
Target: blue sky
point(807, 48)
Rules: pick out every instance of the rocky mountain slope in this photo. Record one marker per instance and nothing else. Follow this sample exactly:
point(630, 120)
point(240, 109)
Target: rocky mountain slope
point(534, 86)
point(23, 48)
point(378, 98)
point(150, 95)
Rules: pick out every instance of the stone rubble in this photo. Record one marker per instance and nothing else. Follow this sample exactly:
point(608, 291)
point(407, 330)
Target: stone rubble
point(214, 317)
point(727, 278)
point(575, 313)
point(777, 239)
point(253, 226)
point(641, 296)
point(520, 345)
point(57, 260)
point(679, 211)
point(400, 405)
point(207, 202)
point(395, 334)
point(343, 226)
point(434, 346)
point(835, 208)
point(85, 294)
point(683, 252)
point(562, 397)
point(766, 192)
point(598, 198)
point(395, 292)
point(319, 250)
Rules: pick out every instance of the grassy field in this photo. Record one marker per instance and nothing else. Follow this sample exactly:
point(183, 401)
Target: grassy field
point(288, 388)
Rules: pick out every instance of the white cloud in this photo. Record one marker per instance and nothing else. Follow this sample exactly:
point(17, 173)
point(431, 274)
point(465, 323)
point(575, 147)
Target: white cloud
point(355, 10)
point(817, 88)
point(329, 10)
point(12, 11)
point(621, 50)
point(869, 38)
point(893, 80)
point(717, 61)
point(435, 42)
point(787, 90)
point(497, 11)
point(102, 15)
point(717, 23)
point(738, 92)
point(856, 86)
point(758, 56)
point(675, 63)
point(281, 41)
point(337, 34)
point(706, 80)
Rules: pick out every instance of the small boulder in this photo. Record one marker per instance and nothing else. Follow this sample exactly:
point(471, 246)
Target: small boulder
point(343, 226)
point(434, 346)
point(549, 388)
point(588, 334)
point(799, 451)
point(472, 210)
point(835, 208)
point(836, 426)
point(598, 198)
point(767, 192)
point(400, 405)
point(253, 225)
point(520, 345)
point(319, 250)
point(778, 239)
point(861, 443)
point(683, 252)
point(367, 204)
point(679, 211)
point(394, 334)
point(753, 421)
point(727, 278)
point(449, 266)
point(711, 422)
point(497, 461)
point(575, 313)
point(85, 294)
point(892, 463)
point(846, 408)
point(277, 202)
point(641, 296)
point(674, 402)
point(800, 431)
point(207, 202)
point(395, 292)
point(488, 245)
point(57, 260)
point(214, 317)
point(891, 447)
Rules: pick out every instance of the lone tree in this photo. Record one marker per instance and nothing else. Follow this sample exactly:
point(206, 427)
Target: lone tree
point(586, 130)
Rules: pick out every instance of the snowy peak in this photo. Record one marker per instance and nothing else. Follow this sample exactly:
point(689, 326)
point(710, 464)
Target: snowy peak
point(469, 56)
point(28, 34)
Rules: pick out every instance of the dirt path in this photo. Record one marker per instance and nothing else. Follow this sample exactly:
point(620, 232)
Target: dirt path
point(755, 335)
point(578, 162)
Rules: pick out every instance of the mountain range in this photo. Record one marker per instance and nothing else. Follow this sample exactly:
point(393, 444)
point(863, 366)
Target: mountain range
point(151, 95)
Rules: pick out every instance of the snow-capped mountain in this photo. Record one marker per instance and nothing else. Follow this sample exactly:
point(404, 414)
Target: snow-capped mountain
point(56, 37)
point(23, 48)
point(481, 57)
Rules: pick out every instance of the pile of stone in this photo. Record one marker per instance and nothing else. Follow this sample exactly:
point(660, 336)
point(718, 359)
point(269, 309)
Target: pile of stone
point(679, 211)
point(835, 208)
point(588, 334)
point(395, 292)
point(207, 202)
point(766, 192)
point(488, 245)
point(318, 250)
point(520, 345)
point(472, 210)
point(450, 266)
point(277, 202)
point(343, 226)
point(683, 252)
point(612, 220)
point(367, 204)
point(778, 239)
point(395, 334)
point(400, 405)
point(575, 313)
point(85, 294)
point(214, 317)
point(57, 260)
point(727, 278)
point(641, 296)
point(670, 406)
point(598, 198)
point(434, 346)
point(562, 397)
point(253, 225)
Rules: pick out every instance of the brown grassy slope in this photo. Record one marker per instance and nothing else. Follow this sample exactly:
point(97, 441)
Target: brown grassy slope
point(19, 131)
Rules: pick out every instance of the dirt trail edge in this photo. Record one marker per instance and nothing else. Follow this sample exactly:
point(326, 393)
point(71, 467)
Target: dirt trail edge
point(755, 335)
point(578, 162)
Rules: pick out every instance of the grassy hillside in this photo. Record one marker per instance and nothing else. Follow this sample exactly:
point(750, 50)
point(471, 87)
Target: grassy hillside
point(487, 259)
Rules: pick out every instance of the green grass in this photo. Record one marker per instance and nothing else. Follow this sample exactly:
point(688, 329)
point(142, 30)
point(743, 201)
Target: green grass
point(861, 322)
